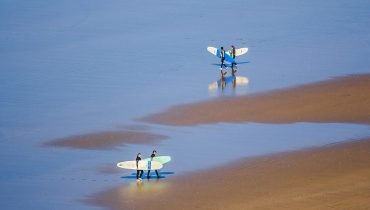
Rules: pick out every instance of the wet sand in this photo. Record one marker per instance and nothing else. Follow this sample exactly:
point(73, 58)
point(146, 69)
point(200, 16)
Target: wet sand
point(106, 140)
point(336, 176)
point(331, 177)
point(344, 99)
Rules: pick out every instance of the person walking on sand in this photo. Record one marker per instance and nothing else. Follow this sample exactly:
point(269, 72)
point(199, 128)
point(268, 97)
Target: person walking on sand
point(154, 153)
point(232, 55)
point(138, 158)
point(222, 56)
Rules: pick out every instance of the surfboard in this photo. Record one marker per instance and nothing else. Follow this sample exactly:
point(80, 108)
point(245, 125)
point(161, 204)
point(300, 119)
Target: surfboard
point(143, 165)
point(238, 52)
point(212, 50)
point(160, 159)
point(229, 79)
point(241, 51)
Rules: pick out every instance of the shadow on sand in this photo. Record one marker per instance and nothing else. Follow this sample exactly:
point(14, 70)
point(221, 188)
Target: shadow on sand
point(162, 175)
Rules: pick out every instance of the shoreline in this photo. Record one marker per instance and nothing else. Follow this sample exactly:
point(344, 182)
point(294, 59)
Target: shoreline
point(108, 140)
point(343, 99)
point(332, 176)
point(340, 100)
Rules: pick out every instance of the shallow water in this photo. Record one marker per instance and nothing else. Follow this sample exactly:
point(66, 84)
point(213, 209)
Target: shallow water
point(76, 67)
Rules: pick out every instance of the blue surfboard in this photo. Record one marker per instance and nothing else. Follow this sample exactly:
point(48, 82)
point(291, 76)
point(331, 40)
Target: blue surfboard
point(228, 58)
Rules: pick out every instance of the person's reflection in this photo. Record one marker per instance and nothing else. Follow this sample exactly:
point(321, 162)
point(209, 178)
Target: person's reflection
point(139, 187)
point(233, 71)
point(223, 79)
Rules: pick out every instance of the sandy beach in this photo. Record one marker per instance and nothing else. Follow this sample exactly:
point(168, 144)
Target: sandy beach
point(331, 177)
point(106, 140)
point(344, 99)
point(335, 176)
point(87, 84)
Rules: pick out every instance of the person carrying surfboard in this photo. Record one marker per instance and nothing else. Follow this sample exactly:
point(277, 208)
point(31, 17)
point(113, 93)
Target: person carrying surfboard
point(154, 153)
point(138, 158)
point(222, 56)
point(232, 55)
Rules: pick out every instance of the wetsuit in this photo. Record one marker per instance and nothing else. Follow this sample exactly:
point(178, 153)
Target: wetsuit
point(222, 54)
point(232, 54)
point(138, 171)
point(156, 171)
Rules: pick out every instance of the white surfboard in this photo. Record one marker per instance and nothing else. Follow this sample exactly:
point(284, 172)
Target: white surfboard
point(239, 52)
point(160, 159)
point(143, 165)
point(212, 50)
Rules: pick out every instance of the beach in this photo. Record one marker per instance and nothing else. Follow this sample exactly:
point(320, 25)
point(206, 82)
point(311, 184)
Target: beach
point(87, 84)
point(334, 176)
point(330, 177)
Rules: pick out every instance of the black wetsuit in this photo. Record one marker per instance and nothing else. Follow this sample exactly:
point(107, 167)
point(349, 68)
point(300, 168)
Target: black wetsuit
point(233, 53)
point(138, 171)
point(222, 54)
point(156, 171)
point(233, 56)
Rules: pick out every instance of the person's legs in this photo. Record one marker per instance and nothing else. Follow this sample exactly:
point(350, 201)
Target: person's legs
point(137, 174)
point(141, 173)
point(148, 175)
point(156, 172)
point(222, 62)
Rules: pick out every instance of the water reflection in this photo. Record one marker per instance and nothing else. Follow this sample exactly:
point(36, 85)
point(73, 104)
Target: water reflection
point(228, 86)
point(161, 175)
point(145, 187)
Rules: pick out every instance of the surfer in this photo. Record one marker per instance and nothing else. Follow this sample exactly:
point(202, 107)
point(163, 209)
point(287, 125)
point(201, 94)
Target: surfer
point(222, 56)
point(138, 158)
point(232, 55)
point(154, 153)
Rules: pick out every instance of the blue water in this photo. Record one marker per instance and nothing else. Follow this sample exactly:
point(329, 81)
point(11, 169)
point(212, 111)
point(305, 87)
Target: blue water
point(76, 67)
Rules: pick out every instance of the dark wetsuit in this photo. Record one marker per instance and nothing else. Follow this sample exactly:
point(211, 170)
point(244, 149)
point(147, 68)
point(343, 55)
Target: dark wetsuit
point(233, 56)
point(233, 53)
point(222, 54)
point(156, 171)
point(138, 171)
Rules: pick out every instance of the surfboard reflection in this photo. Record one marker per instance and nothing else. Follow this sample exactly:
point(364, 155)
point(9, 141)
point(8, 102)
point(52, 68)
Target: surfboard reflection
point(237, 84)
point(145, 187)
